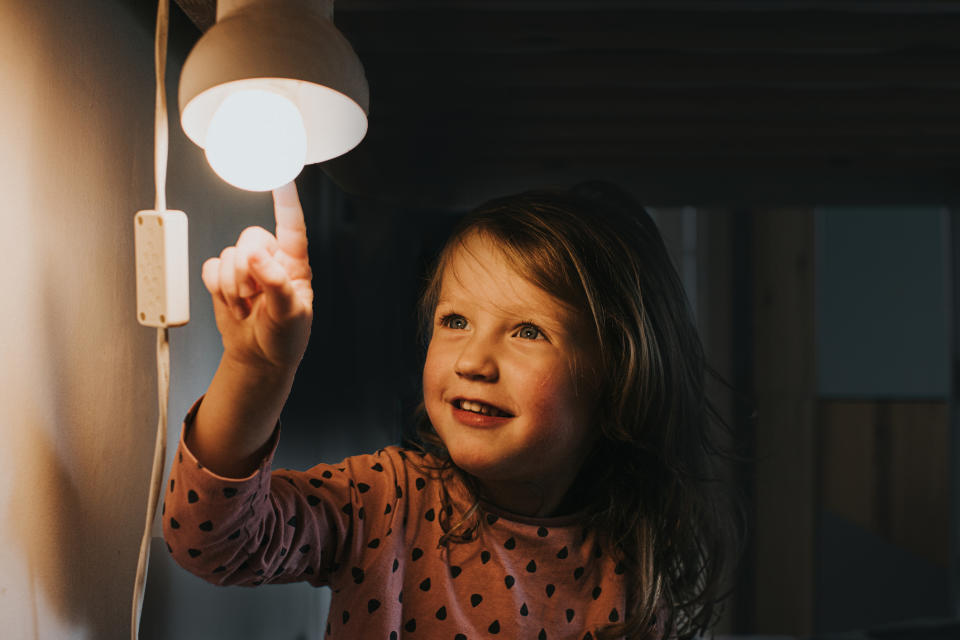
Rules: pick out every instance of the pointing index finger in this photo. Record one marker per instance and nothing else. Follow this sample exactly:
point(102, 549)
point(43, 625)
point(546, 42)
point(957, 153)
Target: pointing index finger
point(291, 228)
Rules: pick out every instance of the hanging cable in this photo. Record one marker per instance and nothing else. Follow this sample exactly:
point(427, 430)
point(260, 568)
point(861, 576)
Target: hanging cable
point(161, 134)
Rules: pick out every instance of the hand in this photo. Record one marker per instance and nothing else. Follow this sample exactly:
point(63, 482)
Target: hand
point(261, 292)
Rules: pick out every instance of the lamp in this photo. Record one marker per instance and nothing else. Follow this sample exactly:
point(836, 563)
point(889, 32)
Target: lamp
point(273, 85)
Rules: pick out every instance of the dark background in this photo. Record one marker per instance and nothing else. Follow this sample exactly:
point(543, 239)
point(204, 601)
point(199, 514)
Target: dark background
point(801, 160)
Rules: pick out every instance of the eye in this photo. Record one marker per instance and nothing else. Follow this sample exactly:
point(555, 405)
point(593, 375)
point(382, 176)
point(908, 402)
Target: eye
point(453, 321)
point(529, 331)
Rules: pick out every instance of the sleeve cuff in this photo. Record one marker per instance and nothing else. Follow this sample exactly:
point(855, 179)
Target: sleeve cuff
point(185, 455)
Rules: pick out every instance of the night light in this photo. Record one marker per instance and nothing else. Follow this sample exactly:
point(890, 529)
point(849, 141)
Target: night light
point(270, 87)
point(256, 140)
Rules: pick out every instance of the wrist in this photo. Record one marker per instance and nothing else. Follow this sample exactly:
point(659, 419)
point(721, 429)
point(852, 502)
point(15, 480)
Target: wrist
point(257, 372)
point(238, 415)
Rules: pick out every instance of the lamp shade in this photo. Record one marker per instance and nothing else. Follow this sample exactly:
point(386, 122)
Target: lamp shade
point(289, 48)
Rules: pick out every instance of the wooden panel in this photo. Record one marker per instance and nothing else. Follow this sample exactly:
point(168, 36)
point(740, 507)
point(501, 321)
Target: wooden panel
point(919, 487)
point(785, 385)
point(847, 444)
point(665, 70)
point(885, 467)
point(469, 91)
point(719, 28)
point(826, 106)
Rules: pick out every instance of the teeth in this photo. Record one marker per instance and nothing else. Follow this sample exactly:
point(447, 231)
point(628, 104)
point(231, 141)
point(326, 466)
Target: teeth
point(477, 407)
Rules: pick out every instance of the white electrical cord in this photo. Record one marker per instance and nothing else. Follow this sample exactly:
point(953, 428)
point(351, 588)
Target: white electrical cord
point(161, 132)
point(163, 339)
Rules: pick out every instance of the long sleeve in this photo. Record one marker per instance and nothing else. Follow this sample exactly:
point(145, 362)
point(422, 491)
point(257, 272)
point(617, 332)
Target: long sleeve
point(277, 526)
point(370, 527)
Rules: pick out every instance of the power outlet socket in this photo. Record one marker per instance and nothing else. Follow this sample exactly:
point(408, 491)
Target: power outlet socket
point(163, 283)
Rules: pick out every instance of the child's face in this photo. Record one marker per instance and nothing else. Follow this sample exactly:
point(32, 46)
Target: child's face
point(502, 341)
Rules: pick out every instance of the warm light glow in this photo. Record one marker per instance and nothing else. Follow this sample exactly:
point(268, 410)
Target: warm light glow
point(256, 140)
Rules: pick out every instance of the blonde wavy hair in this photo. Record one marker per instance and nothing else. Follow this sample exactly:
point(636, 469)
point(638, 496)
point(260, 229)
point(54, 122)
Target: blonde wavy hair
point(659, 503)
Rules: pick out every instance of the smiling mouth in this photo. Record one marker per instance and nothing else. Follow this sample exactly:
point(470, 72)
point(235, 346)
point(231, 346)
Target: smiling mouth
point(481, 408)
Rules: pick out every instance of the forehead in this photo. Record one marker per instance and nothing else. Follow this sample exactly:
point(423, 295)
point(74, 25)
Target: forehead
point(478, 272)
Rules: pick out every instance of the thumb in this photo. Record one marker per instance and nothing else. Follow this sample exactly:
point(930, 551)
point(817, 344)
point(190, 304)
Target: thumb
point(278, 291)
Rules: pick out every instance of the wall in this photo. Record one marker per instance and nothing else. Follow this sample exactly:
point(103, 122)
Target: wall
point(77, 373)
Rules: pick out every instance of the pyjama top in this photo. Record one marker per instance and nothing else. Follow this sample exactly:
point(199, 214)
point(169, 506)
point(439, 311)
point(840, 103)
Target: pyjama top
point(370, 528)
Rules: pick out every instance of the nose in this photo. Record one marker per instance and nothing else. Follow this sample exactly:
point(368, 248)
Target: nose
point(477, 361)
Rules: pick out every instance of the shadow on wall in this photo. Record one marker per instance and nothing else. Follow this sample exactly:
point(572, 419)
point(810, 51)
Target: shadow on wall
point(77, 406)
point(46, 503)
point(76, 496)
point(80, 442)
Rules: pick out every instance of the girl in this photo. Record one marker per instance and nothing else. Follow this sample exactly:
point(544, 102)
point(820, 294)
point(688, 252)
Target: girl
point(561, 486)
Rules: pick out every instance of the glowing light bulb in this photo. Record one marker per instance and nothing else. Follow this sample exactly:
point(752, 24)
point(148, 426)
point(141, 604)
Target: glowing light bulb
point(256, 140)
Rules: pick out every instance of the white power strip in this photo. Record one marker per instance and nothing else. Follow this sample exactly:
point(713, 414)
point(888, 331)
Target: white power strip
point(163, 284)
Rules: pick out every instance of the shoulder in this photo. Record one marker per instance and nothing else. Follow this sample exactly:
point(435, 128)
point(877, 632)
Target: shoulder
point(417, 473)
point(395, 461)
point(391, 474)
point(416, 464)
point(387, 462)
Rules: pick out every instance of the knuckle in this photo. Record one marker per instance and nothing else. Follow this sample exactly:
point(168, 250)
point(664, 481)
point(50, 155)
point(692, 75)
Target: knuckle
point(241, 262)
point(210, 270)
point(252, 234)
point(275, 277)
point(212, 285)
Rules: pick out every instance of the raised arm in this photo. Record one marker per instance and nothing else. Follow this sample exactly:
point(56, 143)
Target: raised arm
point(263, 303)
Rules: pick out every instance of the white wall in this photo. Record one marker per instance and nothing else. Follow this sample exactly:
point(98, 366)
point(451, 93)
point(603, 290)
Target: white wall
point(77, 373)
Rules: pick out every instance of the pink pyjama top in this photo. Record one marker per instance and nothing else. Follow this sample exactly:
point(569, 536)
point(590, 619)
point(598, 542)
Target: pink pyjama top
point(369, 527)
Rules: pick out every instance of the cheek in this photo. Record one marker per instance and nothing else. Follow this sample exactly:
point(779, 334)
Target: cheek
point(562, 413)
point(432, 376)
point(551, 398)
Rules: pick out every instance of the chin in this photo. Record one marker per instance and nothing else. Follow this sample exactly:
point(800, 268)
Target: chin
point(475, 462)
point(484, 465)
